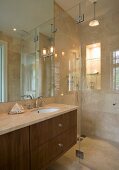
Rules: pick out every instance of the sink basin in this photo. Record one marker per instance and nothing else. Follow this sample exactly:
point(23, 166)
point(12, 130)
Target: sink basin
point(47, 110)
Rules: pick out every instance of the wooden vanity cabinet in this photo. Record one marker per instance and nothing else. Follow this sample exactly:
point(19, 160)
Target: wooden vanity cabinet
point(51, 138)
point(36, 146)
point(14, 150)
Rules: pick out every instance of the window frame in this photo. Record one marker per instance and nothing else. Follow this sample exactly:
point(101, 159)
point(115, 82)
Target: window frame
point(4, 96)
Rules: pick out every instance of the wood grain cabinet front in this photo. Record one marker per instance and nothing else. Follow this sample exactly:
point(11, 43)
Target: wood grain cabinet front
point(51, 138)
point(14, 150)
point(36, 146)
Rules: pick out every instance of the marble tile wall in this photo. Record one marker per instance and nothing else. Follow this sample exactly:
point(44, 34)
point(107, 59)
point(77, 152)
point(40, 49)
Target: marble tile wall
point(66, 46)
point(99, 116)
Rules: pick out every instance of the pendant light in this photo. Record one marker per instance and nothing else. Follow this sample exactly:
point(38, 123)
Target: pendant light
point(51, 47)
point(48, 52)
point(94, 22)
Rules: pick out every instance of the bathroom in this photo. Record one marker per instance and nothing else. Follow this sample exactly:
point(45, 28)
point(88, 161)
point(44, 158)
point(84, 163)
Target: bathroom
point(53, 55)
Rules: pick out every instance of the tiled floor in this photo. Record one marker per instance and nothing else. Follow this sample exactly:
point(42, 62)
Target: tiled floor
point(99, 155)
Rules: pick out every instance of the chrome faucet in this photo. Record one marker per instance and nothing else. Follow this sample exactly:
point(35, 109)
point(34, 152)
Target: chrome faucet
point(28, 104)
point(40, 101)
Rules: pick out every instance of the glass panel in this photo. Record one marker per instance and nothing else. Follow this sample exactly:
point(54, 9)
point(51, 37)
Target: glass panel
point(0, 74)
point(116, 78)
point(115, 70)
point(23, 47)
point(28, 75)
point(116, 57)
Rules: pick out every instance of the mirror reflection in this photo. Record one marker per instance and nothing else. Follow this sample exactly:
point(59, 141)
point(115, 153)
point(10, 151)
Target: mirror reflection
point(37, 62)
point(26, 62)
point(32, 67)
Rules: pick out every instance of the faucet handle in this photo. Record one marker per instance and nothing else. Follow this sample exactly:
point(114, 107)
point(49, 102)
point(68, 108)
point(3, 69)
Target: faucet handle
point(39, 101)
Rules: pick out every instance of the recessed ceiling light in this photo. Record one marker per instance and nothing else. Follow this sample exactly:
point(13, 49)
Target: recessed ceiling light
point(14, 29)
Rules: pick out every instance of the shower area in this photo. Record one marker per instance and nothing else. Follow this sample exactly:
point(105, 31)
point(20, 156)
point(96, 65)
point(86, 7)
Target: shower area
point(89, 70)
point(82, 70)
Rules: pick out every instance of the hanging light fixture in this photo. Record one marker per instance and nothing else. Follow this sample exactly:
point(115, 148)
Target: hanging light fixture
point(94, 22)
point(80, 17)
point(50, 51)
point(51, 47)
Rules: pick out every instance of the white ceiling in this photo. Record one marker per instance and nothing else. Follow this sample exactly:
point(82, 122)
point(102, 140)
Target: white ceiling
point(24, 14)
point(102, 7)
point(28, 14)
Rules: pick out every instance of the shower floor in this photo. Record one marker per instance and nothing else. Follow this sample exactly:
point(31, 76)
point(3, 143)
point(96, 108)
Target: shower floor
point(98, 155)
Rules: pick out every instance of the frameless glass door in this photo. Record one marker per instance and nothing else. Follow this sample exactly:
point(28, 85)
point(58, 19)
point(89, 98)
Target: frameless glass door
point(1, 74)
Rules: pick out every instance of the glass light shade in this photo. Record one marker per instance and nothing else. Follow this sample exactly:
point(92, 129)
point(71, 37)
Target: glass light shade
point(51, 49)
point(44, 51)
point(94, 23)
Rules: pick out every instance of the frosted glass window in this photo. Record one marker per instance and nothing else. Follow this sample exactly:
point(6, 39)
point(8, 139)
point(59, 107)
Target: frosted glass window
point(115, 70)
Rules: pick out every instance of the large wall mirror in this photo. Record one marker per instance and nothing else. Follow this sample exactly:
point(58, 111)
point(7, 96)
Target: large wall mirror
point(26, 62)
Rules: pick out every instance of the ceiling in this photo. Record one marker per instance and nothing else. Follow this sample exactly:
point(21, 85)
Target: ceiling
point(28, 14)
point(24, 14)
point(102, 7)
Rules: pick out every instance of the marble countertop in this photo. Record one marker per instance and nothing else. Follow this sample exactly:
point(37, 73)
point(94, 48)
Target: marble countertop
point(9, 123)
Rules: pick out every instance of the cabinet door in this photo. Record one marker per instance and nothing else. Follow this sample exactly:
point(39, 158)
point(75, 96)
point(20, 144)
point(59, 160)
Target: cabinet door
point(14, 150)
point(44, 154)
point(53, 149)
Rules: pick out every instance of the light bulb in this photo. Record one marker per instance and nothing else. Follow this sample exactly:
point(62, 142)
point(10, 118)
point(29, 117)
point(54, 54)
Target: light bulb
point(51, 49)
point(56, 55)
point(44, 51)
point(14, 29)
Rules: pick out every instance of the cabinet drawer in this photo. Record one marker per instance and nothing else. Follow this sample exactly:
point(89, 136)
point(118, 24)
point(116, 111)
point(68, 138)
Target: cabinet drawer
point(53, 149)
point(46, 130)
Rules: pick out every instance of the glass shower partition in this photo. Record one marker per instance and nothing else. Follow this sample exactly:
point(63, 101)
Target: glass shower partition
point(28, 66)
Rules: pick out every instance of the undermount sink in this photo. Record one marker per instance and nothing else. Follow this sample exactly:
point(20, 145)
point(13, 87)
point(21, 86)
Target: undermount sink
point(47, 110)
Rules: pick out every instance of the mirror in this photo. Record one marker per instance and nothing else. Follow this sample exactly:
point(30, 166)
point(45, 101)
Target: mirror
point(25, 71)
point(37, 62)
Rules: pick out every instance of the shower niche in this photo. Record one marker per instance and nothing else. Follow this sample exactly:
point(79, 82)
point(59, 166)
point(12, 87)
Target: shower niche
point(93, 66)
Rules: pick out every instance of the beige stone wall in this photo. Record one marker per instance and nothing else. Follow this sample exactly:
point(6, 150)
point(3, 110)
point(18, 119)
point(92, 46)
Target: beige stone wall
point(67, 41)
point(13, 65)
point(99, 116)
point(66, 47)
